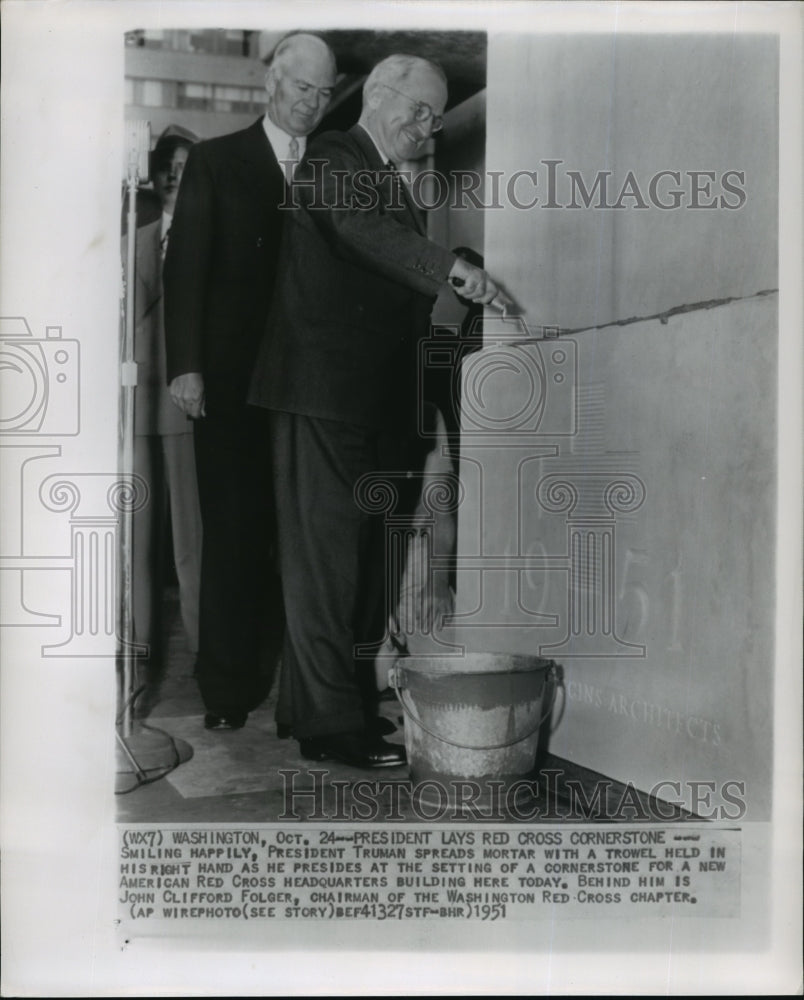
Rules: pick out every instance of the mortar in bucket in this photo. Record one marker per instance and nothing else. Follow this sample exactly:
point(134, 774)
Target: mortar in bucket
point(474, 725)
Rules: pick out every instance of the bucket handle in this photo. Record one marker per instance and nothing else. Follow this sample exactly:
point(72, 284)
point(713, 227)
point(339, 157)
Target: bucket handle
point(554, 671)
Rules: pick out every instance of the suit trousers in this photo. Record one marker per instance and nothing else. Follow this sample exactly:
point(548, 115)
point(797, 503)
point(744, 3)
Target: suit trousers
point(334, 571)
point(240, 611)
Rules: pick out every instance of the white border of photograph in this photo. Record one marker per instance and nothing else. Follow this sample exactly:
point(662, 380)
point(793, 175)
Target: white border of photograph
point(62, 153)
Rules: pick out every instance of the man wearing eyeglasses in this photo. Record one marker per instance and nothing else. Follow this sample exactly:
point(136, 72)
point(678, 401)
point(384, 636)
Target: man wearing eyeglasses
point(337, 370)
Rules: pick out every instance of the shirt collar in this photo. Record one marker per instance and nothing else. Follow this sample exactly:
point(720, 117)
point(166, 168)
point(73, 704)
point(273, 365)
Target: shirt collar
point(383, 156)
point(280, 140)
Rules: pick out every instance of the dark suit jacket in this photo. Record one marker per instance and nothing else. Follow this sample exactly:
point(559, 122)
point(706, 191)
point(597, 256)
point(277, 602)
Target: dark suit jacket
point(357, 278)
point(221, 261)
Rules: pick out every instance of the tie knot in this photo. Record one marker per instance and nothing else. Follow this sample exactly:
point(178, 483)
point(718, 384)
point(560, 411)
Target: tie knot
point(293, 148)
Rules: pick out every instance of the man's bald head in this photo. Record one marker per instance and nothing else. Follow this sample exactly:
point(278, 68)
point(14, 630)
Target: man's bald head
point(299, 82)
point(300, 44)
point(395, 69)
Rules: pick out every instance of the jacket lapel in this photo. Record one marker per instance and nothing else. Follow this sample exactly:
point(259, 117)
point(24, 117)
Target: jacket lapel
point(374, 162)
point(258, 160)
point(415, 211)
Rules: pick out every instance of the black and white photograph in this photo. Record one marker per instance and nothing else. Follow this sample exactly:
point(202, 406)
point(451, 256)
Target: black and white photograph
point(400, 414)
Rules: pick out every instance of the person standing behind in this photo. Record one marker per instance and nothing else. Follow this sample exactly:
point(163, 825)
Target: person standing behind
point(163, 442)
point(219, 275)
point(338, 372)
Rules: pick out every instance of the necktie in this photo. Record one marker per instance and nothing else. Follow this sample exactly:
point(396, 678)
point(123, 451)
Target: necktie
point(390, 166)
point(293, 158)
point(164, 242)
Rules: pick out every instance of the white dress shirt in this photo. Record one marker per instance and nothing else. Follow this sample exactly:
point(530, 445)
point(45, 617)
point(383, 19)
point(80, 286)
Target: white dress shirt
point(280, 141)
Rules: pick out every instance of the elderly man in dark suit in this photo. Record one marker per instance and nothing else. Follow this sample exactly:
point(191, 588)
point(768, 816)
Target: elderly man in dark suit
point(337, 370)
point(219, 276)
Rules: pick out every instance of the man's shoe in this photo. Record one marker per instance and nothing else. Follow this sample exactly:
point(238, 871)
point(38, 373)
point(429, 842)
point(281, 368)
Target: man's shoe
point(383, 754)
point(380, 725)
point(315, 749)
point(218, 722)
point(283, 731)
point(354, 749)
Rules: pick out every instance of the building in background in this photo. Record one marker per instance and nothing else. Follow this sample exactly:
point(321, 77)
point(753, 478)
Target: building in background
point(211, 81)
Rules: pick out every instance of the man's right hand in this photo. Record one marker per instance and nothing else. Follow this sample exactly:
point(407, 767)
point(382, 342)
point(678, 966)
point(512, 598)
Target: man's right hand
point(472, 282)
point(187, 392)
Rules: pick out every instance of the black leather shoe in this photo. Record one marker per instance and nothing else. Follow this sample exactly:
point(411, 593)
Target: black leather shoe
point(381, 726)
point(383, 754)
point(283, 731)
point(315, 749)
point(354, 749)
point(218, 722)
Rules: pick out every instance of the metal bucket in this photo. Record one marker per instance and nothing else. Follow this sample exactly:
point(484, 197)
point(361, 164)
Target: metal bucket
point(474, 725)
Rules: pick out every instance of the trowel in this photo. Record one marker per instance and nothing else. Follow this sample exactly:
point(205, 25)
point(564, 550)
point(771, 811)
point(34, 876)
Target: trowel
point(502, 302)
point(511, 311)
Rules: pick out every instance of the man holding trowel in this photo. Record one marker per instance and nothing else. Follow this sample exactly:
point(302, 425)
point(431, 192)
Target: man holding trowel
point(338, 371)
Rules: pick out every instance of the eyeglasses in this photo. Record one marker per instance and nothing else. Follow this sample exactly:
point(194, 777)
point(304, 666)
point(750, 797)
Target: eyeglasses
point(423, 111)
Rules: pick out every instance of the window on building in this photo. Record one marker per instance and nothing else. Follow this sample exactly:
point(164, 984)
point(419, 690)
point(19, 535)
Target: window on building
point(195, 95)
point(233, 99)
point(152, 96)
point(153, 39)
point(212, 41)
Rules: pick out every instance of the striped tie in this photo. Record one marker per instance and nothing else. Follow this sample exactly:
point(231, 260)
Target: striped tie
point(292, 160)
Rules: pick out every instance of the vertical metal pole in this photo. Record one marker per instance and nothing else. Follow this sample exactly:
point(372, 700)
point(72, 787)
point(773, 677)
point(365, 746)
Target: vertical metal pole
point(128, 382)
